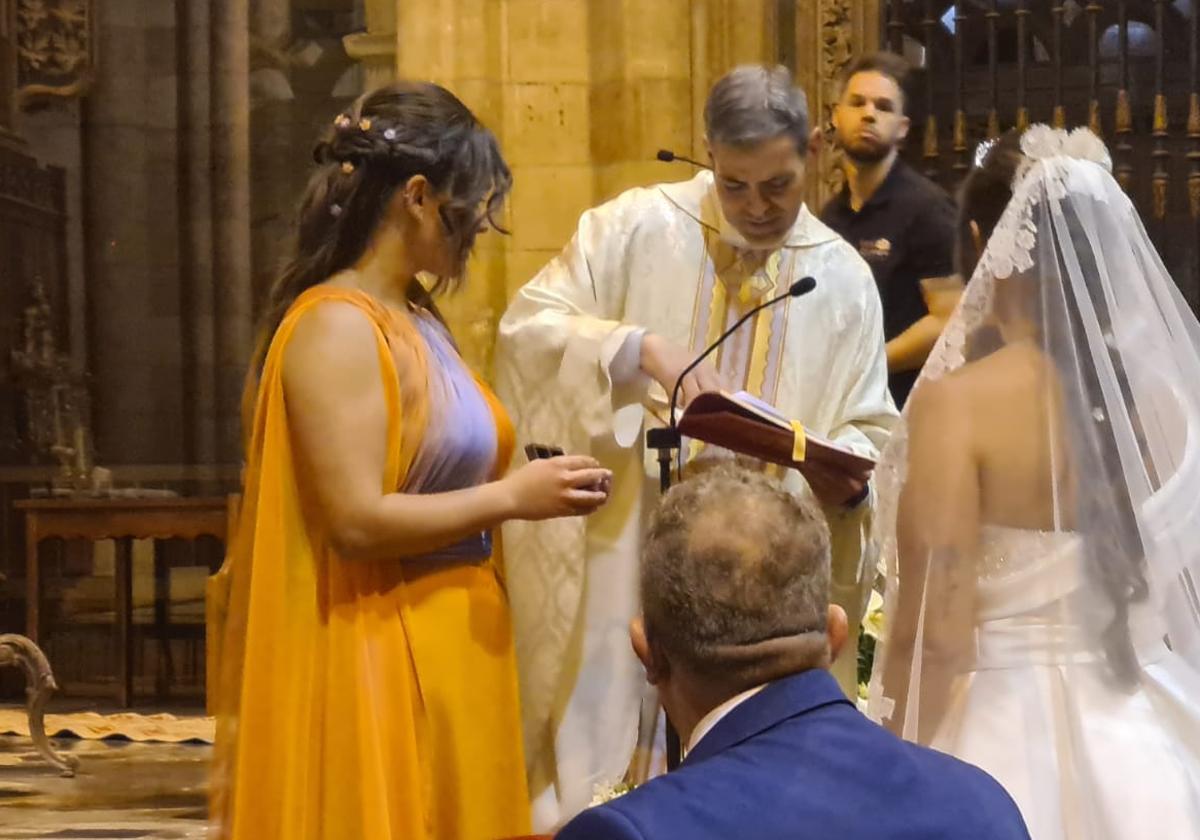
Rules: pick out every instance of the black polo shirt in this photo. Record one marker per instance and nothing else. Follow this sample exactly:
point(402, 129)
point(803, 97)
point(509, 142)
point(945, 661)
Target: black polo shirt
point(905, 232)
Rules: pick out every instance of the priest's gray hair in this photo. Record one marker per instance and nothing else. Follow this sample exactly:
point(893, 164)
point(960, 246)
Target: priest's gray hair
point(754, 103)
point(735, 579)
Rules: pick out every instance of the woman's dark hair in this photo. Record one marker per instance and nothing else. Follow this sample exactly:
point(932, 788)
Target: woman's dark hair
point(1104, 511)
point(385, 138)
point(984, 194)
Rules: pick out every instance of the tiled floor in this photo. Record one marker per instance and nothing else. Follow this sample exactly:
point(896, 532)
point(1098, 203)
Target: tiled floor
point(122, 790)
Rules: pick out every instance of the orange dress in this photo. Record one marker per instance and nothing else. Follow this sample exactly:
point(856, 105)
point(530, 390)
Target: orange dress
point(361, 700)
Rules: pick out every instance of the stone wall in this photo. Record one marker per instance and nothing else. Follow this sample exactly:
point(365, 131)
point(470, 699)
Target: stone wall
point(581, 93)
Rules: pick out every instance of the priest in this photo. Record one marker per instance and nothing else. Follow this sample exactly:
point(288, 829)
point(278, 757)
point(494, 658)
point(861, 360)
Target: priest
point(588, 353)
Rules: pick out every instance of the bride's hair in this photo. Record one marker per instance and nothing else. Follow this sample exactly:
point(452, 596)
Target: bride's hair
point(1104, 512)
point(984, 195)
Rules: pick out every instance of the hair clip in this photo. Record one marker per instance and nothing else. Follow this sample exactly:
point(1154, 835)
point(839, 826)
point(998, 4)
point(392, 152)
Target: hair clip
point(347, 166)
point(364, 124)
point(335, 210)
point(389, 134)
point(342, 121)
point(981, 151)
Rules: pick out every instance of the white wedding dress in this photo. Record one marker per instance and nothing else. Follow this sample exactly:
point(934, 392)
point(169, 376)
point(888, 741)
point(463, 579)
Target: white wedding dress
point(1066, 390)
point(1082, 756)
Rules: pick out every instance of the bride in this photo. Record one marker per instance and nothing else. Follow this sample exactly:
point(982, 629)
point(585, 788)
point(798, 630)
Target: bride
point(1040, 509)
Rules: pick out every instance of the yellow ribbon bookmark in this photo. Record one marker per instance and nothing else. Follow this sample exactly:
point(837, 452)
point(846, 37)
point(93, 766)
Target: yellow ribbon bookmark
point(799, 441)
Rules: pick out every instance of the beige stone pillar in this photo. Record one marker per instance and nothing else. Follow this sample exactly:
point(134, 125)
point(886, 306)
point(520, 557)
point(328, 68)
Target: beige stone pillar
point(641, 93)
point(548, 127)
point(376, 48)
point(724, 34)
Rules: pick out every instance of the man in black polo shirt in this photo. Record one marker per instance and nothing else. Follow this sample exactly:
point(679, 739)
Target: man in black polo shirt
point(901, 222)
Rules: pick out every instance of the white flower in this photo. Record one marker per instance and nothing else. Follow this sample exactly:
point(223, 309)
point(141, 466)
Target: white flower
point(608, 791)
point(1084, 145)
point(1041, 141)
point(872, 623)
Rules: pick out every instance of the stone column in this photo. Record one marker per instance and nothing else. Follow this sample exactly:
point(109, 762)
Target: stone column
point(376, 48)
point(196, 246)
point(282, 127)
point(737, 32)
point(8, 73)
point(132, 245)
point(724, 34)
point(231, 212)
point(549, 122)
point(641, 93)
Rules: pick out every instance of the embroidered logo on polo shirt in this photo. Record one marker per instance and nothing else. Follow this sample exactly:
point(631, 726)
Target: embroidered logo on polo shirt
point(874, 249)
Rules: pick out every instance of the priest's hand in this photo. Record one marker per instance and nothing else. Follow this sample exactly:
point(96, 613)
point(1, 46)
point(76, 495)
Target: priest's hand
point(664, 360)
point(547, 488)
point(834, 487)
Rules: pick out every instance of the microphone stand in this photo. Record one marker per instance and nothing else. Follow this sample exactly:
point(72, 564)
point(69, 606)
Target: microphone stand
point(667, 441)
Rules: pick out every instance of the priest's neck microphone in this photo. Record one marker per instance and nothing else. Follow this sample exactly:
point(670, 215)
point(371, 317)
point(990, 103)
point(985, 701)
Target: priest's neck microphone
point(667, 156)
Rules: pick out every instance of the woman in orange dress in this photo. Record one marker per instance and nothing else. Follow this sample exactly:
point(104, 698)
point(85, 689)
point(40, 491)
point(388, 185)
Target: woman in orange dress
point(366, 687)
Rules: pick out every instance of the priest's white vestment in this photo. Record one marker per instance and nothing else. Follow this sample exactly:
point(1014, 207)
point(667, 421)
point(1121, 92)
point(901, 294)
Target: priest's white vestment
point(661, 259)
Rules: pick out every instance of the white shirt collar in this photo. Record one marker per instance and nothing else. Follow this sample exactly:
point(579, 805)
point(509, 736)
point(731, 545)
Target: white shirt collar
point(714, 717)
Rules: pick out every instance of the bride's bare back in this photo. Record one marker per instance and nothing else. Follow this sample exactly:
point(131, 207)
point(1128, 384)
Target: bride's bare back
point(1013, 405)
point(982, 451)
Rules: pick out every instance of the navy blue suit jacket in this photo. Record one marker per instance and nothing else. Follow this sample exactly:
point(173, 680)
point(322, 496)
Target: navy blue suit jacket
point(798, 760)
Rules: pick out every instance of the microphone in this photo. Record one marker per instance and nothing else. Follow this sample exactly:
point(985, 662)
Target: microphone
point(667, 156)
point(664, 439)
point(798, 289)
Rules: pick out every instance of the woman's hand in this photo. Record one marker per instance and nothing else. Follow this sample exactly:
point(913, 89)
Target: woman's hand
point(547, 488)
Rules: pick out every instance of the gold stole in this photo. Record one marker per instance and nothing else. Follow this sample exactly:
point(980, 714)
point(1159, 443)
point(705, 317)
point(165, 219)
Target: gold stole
point(715, 287)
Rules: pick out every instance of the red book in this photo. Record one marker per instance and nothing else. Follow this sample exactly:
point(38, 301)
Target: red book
point(744, 424)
